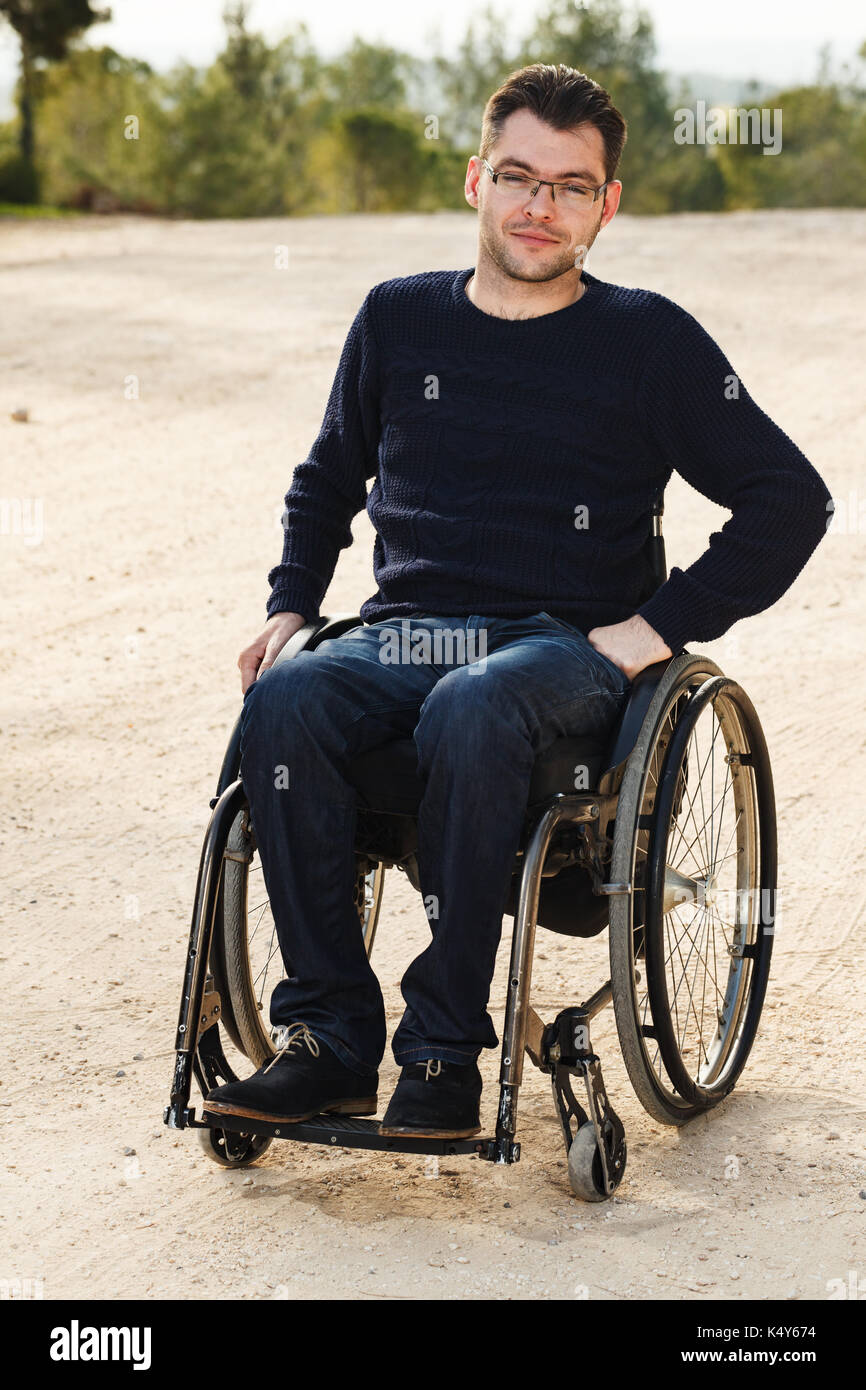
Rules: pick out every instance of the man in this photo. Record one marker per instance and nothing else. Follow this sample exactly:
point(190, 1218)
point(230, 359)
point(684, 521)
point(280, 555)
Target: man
point(518, 420)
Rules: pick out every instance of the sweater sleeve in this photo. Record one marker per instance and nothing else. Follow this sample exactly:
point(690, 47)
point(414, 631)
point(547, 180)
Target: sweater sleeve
point(329, 487)
point(706, 426)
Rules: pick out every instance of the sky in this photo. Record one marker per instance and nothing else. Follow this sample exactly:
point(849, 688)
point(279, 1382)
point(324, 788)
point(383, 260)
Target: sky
point(775, 41)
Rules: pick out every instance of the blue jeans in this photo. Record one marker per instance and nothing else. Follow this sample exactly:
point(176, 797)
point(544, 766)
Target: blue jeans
point(480, 715)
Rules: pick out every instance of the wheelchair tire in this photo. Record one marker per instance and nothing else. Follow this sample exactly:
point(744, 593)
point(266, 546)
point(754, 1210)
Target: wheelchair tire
point(584, 1166)
point(245, 959)
point(687, 1023)
point(232, 1150)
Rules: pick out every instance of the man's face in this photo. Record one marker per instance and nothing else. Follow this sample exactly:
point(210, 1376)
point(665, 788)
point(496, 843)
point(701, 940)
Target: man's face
point(536, 238)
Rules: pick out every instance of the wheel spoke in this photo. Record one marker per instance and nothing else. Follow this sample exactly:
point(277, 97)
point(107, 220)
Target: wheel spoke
point(263, 908)
point(273, 950)
point(694, 950)
point(669, 957)
point(688, 847)
point(679, 863)
point(699, 830)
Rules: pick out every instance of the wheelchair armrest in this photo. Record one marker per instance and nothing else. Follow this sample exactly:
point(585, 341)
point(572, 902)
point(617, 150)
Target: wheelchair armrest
point(316, 631)
point(643, 688)
point(310, 635)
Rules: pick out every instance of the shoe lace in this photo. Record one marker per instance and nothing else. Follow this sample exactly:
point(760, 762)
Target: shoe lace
point(433, 1062)
point(290, 1036)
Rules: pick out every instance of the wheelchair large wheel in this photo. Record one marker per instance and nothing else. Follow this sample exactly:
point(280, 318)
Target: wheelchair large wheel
point(245, 961)
point(695, 847)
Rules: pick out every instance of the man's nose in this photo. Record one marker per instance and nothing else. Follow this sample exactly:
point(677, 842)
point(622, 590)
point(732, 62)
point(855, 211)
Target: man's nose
point(542, 205)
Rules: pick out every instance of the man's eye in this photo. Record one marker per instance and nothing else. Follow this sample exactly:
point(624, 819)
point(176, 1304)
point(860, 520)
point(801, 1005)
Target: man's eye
point(577, 189)
point(514, 178)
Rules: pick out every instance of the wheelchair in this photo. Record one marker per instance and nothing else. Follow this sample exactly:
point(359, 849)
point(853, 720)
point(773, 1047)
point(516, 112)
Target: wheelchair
point(664, 834)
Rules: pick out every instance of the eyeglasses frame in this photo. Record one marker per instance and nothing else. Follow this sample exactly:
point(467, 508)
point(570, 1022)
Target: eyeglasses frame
point(552, 184)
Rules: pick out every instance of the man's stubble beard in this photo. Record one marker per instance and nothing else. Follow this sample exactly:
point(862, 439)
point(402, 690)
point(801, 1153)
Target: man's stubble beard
point(497, 249)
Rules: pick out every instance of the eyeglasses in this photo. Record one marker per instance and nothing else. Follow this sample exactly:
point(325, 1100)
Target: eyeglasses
point(511, 184)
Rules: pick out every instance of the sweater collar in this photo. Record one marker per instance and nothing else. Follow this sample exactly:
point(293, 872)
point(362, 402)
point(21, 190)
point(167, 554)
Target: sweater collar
point(593, 290)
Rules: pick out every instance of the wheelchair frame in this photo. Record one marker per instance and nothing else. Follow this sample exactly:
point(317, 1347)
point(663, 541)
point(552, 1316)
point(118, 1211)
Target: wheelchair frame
point(594, 1136)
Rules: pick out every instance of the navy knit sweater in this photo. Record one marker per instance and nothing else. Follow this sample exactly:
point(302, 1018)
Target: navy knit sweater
point(515, 463)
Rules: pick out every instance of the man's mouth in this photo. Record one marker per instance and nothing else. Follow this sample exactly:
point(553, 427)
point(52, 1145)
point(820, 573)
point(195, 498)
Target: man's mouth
point(535, 238)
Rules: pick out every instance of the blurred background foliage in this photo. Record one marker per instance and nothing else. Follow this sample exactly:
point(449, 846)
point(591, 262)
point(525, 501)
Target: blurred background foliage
point(273, 128)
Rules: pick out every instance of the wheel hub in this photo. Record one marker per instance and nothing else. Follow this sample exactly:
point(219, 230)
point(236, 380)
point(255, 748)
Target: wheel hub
point(679, 889)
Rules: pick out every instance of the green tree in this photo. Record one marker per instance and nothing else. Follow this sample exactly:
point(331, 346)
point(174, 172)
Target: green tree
point(271, 128)
point(45, 29)
point(381, 160)
point(99, 138)
point(366, 74)
point(236, 136)
point(822, 161)
point(370, 153)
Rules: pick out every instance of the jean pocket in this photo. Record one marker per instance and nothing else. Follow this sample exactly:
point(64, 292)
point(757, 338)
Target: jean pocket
point(622, 680)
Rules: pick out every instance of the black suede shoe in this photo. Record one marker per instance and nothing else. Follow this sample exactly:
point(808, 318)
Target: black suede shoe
point(435, 1100)
point(296, 1083)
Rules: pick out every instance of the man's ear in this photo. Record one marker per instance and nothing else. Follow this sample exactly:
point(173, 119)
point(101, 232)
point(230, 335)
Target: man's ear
point(473, 174)
point(612, 195)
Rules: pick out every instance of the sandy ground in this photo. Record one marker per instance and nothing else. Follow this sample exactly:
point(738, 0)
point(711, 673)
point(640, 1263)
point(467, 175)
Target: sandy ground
point(122, 624)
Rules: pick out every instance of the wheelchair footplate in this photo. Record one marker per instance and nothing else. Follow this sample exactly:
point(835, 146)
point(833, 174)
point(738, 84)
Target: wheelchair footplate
point(208, 1063)
point(347, 1132)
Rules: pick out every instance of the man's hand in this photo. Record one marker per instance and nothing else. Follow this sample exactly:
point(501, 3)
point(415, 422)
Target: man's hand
point(264, 650)
point(631, 645)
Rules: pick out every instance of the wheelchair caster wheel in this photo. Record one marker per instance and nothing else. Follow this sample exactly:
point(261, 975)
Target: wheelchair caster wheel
point(232, 1150)
point(584, 1166)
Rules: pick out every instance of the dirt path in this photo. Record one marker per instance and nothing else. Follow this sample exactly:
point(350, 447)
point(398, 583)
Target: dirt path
point(121, 626)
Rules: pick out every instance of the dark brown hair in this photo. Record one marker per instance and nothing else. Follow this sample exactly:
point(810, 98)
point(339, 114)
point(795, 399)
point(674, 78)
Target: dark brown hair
point(561, 96)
